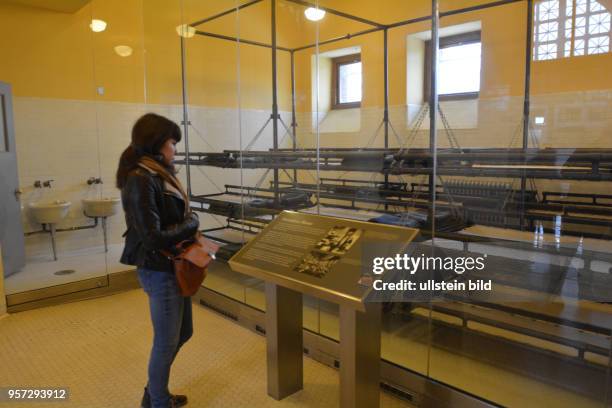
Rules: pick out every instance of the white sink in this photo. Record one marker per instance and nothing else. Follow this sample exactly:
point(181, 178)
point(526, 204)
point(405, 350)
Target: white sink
point(101, 207)
point(49, 212)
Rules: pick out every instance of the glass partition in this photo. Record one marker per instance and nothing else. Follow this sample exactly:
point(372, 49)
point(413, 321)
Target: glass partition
point(240, 124)
point(118, 55)
point(329, 113)
point(520, 173)
point(525, 174)
point(56, 140)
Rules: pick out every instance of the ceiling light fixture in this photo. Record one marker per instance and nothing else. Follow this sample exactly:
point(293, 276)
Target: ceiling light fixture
point(185, 31)
point(314, 14)
point(123, 50)
point(97, 26)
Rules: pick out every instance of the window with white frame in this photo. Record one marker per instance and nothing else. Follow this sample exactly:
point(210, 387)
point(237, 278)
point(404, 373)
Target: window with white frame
point(567, 28)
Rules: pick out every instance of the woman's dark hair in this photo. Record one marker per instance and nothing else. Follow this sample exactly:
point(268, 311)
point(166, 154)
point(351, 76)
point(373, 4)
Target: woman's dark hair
point(149, 134)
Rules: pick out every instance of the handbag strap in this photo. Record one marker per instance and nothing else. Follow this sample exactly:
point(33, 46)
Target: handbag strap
point(171, 256)
point(167, 254)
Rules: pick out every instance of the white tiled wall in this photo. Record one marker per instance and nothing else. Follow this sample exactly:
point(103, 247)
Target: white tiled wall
point(572, 120)
point(69, 141)
point(577, 119)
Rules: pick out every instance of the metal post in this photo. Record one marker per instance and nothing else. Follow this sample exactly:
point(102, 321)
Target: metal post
point(185, 118)
point(386, 86)
point(344, 37)
point(337, 12)
point(526, 105)
point(386, 89)
point(105, 234)
point(293, 118)
point(53, 247)
point(240, 40)
point(360, 356)
point(274, 98)
point(284, 340)
point(433, 103)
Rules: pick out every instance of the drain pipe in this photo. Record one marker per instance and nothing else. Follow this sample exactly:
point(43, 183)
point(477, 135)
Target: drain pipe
point(52, 231)
point(44, 229)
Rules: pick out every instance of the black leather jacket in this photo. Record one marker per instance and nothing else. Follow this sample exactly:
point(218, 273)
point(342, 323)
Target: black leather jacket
point(155, 220)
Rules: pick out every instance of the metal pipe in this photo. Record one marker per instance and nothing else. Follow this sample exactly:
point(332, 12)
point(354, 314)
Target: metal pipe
point(561, 160)
point(337, 13)
point(386, 91)
point(478, 7)
point(224, 13)
point(44, 229)
point(526, 103)
point(185, 117)
point(105, 234)
point(81, 227)
point(274, 96)
point(344, 37)
point(433, 104)
point(53, 247)
point(293, 118)
point(386, 86)
point(411, 21)
point(378, 26)
point(454, 12)
point(241, 40)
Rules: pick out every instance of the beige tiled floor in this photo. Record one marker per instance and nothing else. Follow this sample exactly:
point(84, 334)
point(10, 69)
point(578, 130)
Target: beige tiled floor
point(99, 349)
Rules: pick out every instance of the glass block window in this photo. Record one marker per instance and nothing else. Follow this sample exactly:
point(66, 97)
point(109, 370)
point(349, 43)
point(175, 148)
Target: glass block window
point(567, 28)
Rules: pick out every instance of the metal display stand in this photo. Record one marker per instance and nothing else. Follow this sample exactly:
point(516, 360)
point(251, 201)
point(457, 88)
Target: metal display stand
point(521, 163)
point(522, 209)
point(359, 348)
point(286, 282)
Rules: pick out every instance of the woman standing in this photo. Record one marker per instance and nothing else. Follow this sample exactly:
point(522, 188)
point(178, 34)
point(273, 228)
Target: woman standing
point(158, 217)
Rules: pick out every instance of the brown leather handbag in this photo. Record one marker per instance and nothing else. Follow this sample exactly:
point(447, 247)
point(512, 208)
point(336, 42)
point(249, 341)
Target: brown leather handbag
point(191, 263)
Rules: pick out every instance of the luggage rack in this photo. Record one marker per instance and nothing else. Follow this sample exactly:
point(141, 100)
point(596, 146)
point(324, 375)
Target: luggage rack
point(481, 202)
point(467, 200)
point(564, 164)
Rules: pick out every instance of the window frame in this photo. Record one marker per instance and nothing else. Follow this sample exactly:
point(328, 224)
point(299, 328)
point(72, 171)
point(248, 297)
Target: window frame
point(447, 42)
point(337, 62)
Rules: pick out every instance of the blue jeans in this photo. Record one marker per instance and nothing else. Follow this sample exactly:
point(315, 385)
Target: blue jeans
point(172, 327)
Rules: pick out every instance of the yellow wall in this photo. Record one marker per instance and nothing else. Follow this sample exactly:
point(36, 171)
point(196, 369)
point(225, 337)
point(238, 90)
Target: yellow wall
point(503, 60)
point(55, 55)
point(46, 54)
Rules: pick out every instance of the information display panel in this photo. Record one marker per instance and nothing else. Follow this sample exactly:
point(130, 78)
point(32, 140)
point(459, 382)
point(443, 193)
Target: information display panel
point(320, 256)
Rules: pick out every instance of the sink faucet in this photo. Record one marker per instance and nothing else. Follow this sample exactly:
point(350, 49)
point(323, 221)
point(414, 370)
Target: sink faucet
point(47, 183)
point(94, 180)
point(37, 184)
